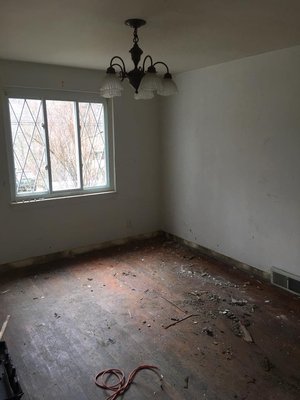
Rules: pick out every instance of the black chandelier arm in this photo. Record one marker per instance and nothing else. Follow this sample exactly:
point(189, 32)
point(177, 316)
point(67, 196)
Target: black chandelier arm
point(123, 68)
point(122, 72)
point(117, 65)
point(151, 61)
point(162, 63)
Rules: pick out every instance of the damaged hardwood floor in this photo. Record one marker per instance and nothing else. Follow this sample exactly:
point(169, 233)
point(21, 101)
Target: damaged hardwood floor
point(111, 309)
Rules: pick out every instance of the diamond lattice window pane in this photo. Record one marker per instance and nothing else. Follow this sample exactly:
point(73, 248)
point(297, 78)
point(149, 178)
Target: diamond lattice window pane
point(93, 145)
point(63, 144)
point(29, 149)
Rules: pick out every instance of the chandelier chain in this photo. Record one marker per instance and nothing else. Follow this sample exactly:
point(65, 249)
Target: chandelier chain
point(135, 36)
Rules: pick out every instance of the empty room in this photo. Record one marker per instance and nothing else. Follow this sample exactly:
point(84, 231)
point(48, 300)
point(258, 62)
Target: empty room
point(150, 200)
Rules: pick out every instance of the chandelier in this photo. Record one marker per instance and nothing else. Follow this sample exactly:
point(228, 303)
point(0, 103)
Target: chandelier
point(146, 83)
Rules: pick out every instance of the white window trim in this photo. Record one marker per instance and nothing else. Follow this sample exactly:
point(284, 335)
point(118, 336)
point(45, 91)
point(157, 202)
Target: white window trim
point(76, 96)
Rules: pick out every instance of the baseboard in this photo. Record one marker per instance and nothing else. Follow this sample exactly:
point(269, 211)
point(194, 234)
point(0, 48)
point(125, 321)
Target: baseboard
point(43, 259)
point(222, 258)
point(119, 242)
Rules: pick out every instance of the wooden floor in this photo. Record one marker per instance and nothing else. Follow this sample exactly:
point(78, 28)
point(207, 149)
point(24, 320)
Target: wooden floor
point(73, 318)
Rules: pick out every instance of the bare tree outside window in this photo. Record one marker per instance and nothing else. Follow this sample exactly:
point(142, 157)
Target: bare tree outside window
point(61, 118)
point(71, 136)
point(29, 145)
point(92, 144)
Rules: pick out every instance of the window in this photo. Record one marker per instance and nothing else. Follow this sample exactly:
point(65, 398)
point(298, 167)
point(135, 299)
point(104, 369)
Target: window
point(59, 147)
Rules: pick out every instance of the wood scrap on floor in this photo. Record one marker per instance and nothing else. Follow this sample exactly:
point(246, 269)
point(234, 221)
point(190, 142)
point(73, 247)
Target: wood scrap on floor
point(182, 319)
point(4, 326)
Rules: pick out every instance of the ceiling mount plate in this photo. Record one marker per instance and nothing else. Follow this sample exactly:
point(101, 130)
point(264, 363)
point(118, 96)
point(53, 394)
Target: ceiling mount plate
point(135, 23)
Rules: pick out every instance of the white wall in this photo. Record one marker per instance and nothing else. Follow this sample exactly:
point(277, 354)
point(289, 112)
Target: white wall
point(230, 154)
point(51, 226)
point(231, 151)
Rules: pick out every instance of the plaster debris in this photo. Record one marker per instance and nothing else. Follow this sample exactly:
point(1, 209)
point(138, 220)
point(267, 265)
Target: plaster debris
point(129, 274)
point(245, 333)
point(208, 331)
point(238, 302)
point(224, 312)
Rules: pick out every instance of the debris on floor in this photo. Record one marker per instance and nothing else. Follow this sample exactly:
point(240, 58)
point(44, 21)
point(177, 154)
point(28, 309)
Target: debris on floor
point(4, 326)
point(173, 304)
point(245, 333)
point(231, 337)
point(239, 302)
point(267, 365)
point(208, 331)
point(186, 382)
point(181, 320)
point(128, 273)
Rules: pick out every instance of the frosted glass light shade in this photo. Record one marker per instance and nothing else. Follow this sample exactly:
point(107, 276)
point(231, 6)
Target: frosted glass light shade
point(150, 82)
point(168, 87)
point(111, 86)
point(144, 95)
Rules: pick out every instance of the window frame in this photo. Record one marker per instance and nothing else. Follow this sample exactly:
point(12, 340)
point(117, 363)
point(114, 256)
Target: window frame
point(63, 95)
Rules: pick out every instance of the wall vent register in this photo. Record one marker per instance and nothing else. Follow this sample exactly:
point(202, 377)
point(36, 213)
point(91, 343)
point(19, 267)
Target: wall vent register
point(285, 280)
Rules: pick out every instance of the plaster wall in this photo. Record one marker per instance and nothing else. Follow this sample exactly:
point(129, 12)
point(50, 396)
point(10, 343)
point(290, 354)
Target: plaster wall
point(231, 143)
point(45, 227)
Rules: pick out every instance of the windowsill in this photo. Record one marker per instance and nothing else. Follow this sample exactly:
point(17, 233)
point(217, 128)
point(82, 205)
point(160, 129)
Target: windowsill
point(52, 200)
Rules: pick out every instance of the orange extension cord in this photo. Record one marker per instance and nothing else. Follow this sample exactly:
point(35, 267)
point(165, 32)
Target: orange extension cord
point(121, 386)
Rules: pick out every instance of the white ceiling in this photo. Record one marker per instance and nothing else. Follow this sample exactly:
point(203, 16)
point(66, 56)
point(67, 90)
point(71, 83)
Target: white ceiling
point(187, 34)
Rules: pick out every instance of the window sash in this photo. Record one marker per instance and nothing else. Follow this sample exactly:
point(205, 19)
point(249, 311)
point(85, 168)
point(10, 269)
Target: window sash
point(76, 98)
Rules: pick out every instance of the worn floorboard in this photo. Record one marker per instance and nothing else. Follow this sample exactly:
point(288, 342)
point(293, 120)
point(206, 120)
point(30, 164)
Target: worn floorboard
point(73, 318)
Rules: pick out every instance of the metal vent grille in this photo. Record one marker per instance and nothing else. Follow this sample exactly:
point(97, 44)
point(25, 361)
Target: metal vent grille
point(285, 280)
point(280, 280)
point(294, 285)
